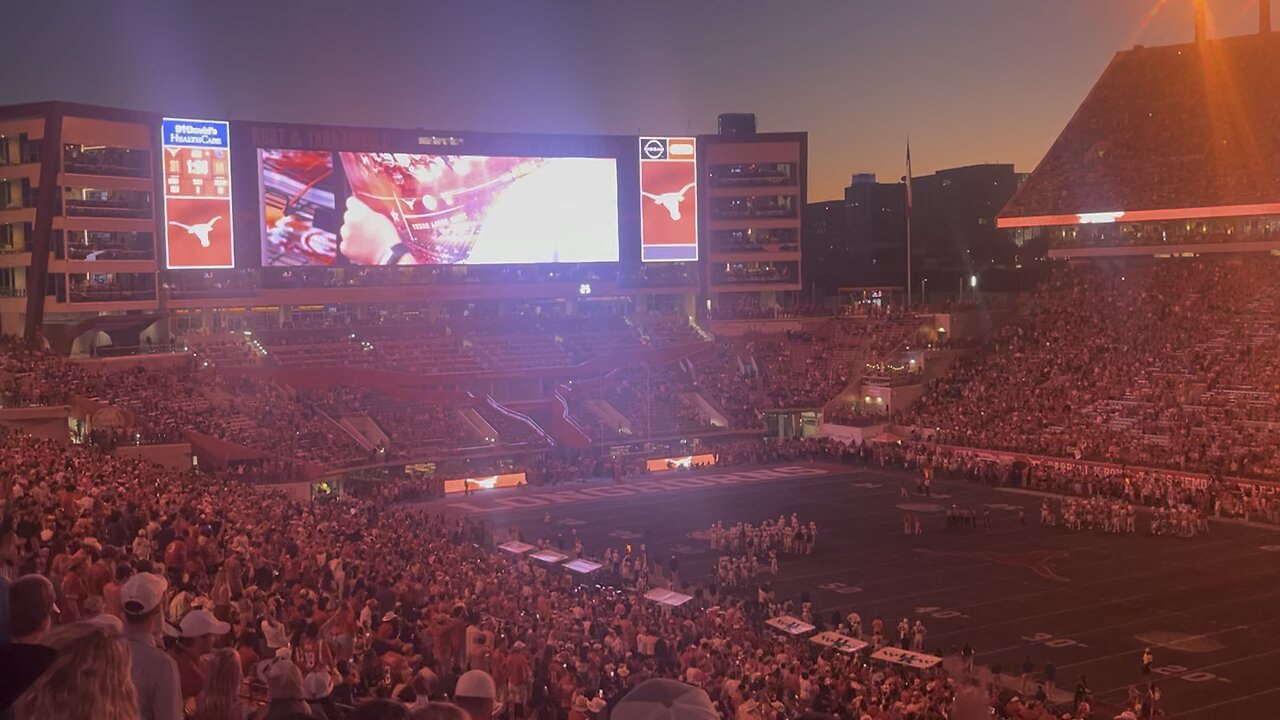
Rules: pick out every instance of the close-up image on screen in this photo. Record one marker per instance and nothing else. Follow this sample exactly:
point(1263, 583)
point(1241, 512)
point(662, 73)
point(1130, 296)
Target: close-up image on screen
point(477, 210)
point(299, 217)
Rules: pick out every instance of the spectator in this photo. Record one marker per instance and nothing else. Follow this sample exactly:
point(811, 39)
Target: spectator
point(476, 693)
point(88, 678)
point(31, 608)
point(154, 673)
point(219, 699)
point(284, 686)
point(196, 633)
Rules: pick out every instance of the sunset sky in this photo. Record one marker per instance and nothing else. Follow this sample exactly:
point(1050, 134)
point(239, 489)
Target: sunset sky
point(971, 81)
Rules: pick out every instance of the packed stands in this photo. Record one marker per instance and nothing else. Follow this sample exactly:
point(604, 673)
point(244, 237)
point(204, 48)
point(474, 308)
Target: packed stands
point(1160, 364)
point(650, 398)
point(164, 402)
point(411, 425)
point(370, 610)
point(1178, 126)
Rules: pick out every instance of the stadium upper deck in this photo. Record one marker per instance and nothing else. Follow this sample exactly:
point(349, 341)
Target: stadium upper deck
point(1174, 146)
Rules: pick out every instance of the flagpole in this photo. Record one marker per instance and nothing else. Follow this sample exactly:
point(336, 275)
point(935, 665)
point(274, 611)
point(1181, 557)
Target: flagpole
point(909, 200)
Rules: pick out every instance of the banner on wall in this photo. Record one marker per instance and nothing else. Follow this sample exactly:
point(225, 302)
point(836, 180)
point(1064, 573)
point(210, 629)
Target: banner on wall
point(683, 462)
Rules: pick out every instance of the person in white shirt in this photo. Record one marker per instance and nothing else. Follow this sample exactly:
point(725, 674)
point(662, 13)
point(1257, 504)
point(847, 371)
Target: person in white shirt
point(274, 632)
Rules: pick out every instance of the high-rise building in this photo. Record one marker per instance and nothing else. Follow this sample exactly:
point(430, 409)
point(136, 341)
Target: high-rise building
point(953, 229)
point(827, 252)
point(754, 192)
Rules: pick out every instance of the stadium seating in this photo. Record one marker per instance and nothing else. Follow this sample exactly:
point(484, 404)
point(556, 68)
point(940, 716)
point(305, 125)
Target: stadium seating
point(1179, 126)
point(1153, 364)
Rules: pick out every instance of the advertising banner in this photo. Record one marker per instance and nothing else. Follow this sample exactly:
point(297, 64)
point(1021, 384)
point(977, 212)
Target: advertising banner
point(683, 462)
point(668, 199)
point(483, 483)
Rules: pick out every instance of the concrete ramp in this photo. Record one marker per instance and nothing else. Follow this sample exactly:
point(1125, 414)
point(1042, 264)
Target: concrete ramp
point(706, 411)
point(610, 415)
point(364, 431)
point(479, 425)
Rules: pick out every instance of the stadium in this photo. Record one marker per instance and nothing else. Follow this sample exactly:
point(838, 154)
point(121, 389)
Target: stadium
point(349, 422)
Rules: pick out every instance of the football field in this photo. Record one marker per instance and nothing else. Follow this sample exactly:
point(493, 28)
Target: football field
point(1208, 607)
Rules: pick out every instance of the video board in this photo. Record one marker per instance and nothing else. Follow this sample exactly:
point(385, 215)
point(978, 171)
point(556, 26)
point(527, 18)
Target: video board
point(668, 199)
point(197, 223)
point(321, 208)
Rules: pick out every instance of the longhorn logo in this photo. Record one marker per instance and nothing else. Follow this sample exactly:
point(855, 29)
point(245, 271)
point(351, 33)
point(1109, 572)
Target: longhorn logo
point(201, 231)
point(671, 201)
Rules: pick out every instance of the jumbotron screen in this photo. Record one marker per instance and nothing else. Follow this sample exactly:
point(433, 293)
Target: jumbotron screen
point(325, 208)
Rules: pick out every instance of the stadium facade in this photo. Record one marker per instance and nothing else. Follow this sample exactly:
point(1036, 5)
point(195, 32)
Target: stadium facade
point(113, 221)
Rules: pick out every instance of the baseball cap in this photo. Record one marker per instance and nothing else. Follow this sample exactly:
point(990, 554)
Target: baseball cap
point(317, 685)
point(142, 593)
point(199, 623)
point(476, 684)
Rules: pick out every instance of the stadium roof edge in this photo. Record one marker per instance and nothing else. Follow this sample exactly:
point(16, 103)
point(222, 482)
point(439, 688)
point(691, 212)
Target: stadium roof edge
point(1225, 121)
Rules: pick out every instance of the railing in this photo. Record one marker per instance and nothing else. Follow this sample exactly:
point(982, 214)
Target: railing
point(106, 209)
point(89, 168)
point(111, 295)
point(519, 417)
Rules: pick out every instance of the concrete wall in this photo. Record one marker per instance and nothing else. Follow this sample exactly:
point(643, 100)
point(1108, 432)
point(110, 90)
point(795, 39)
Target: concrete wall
point(49, 422)
point(176, 455)
point(152, 362)
point(850, 435)
point(891, 399)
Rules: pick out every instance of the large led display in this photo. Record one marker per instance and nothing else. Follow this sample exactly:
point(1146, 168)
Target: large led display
point(197, 194)
point(668, 199)
point(322, 208)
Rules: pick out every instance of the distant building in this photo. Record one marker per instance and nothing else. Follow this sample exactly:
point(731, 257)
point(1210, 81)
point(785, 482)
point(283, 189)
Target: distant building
point(954, 232)
point(826, 246)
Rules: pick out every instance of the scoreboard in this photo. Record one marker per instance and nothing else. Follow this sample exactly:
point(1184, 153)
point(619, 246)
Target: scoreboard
point(197, 221)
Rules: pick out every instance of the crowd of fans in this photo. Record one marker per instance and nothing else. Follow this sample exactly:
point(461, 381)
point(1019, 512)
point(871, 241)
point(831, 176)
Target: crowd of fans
point(1150, 135)
point(409, 424)
point(351, 607)
point(1166, 365)
point(161, 403)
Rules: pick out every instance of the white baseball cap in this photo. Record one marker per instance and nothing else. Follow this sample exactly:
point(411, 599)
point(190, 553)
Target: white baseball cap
point(476, 684)
point(142, 593)
point(199, 623)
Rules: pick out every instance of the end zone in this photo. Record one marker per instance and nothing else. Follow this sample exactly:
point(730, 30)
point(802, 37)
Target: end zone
point(524, 499)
